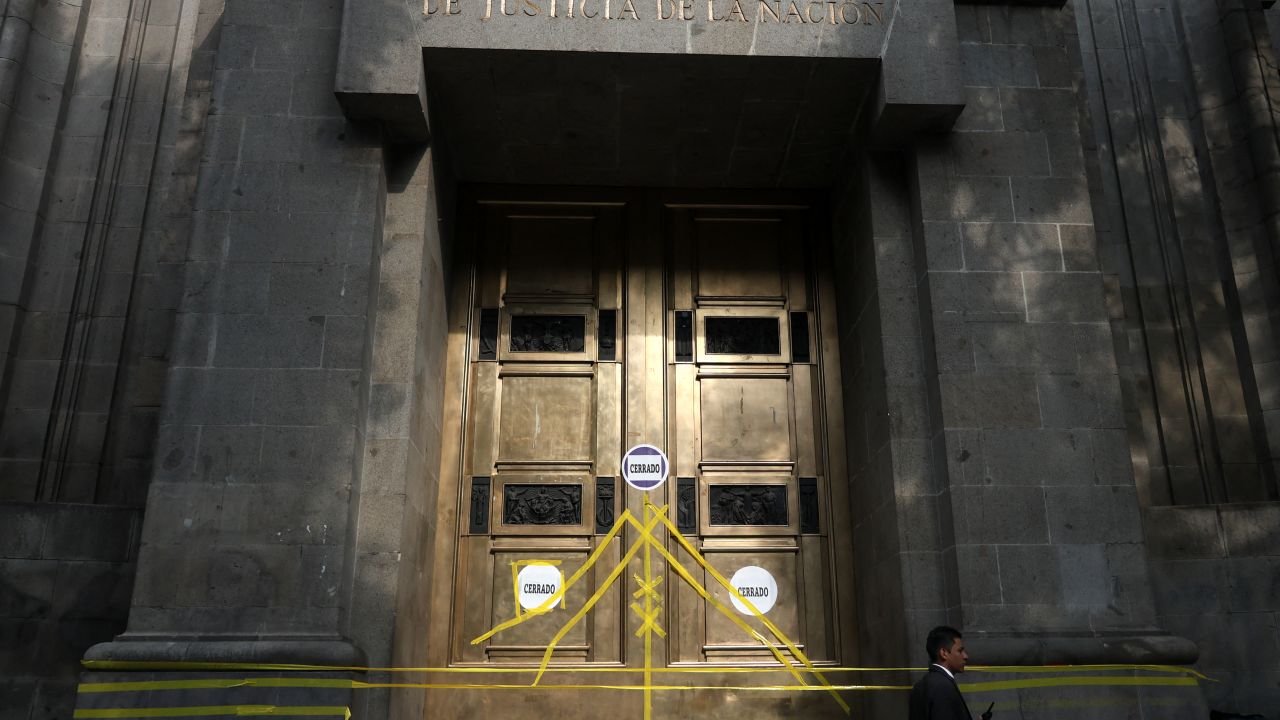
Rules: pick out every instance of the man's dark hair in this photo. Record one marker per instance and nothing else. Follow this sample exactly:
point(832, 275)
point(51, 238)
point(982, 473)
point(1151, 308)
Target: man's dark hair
point(939, 638)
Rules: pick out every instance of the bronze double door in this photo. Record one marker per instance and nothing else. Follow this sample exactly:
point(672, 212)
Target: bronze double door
point(585, 322)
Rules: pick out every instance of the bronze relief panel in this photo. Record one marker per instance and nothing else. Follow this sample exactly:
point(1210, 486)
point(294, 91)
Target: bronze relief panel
point(541, 504)
point(747, 505)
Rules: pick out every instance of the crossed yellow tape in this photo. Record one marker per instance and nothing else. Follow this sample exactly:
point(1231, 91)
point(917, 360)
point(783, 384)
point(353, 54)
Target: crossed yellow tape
point(649, 613)
point(1181, 677)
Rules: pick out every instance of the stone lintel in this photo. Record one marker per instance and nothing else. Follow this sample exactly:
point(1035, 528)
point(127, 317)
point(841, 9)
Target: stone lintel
point(403, 116)
point(380, 73)
point(921, 87)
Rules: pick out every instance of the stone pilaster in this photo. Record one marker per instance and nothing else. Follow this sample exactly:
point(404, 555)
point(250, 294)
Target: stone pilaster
point(1036, 494)
point(247, 535)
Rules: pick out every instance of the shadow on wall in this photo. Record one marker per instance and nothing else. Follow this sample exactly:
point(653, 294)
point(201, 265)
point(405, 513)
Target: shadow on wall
point(60, 592)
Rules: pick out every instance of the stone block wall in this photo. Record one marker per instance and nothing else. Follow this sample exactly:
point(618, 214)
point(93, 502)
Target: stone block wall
point(248, 524)
point(1216, 573)
point(1029, 435)
point(66, 573)
point(299, 429)
point(987, 433)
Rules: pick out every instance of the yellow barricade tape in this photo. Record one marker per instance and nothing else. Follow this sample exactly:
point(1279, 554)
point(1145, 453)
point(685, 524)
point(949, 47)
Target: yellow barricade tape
point(108, 665)
point(1085, 668)
point(1087, 681)
point(649, 613)
point(974, 687)
point(642, 541)
point(777, 634)
point(207, 710)
point(564, 588)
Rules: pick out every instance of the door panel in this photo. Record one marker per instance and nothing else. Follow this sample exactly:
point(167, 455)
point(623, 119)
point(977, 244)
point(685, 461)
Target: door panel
point(598, 320)
point(542, 424)
point(525, 643)
point(546, 417)
point(745, 418)
point(537, 245)
point(738, 257)
point(744, 275)
point(725, 641)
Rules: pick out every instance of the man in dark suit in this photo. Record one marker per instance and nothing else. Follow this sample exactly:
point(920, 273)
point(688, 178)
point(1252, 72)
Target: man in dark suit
point(936, 696)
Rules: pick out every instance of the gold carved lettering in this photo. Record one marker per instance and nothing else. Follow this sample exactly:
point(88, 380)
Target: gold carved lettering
point(831, 12)
point(873, 10)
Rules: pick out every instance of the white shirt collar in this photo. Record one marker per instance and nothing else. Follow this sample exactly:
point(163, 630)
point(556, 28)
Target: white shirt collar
point(945, 670)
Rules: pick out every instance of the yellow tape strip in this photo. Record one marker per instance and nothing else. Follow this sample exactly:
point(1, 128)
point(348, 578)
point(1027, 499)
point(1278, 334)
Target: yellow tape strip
point(555, 598)
point(697, 587)
point(650, 620)
point(206, 710)
point(599, 593)
point(1084, 668)
point(647, 534)
point(649, 588)
point(215, 684)
point(978, 687)
point(107, 665)
point(1087, 681)
point(795, 651)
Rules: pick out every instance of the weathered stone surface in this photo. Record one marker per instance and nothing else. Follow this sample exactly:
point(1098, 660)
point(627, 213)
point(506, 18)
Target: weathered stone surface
point(1059, 312)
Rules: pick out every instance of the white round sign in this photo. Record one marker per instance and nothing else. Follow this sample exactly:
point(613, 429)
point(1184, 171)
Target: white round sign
point(537, 583)
point(758, 586)
point(644, 467)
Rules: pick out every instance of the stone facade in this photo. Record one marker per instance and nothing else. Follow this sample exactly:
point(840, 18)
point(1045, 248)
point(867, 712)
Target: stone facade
point(226, 247)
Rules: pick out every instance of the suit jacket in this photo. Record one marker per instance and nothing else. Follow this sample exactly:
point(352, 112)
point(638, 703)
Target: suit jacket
point(936, 697)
